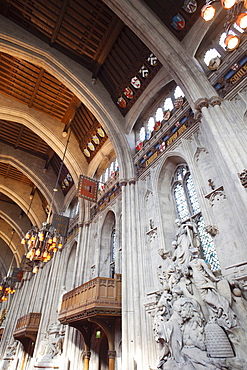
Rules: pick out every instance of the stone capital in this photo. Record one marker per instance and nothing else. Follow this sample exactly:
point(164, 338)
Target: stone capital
point(132, 181)
point(111, 353)
point(86, 354)
point(201, 103)
point(215, 100)
point(123, 182)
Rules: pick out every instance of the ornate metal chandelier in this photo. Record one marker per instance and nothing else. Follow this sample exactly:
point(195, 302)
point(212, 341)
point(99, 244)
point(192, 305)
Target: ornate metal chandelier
point(43, 243)
point(7, 287)
point(236, 13)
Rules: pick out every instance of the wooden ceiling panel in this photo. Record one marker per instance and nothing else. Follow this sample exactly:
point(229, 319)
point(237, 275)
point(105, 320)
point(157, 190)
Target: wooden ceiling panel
point(8, 171)
point(86, 31)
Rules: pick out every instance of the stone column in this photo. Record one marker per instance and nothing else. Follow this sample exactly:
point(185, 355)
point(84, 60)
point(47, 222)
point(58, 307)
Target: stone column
point(228, 204)
point(86, 359)
point(125, 292)
point(111, 356)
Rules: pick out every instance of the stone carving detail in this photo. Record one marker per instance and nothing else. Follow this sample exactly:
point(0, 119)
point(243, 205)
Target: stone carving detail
point(194, 318)
point(199, 150)
point(212, 229)
point(152, 232)
point(216, 194)
point(243, 178)
point(53, 342)
point(2, 316)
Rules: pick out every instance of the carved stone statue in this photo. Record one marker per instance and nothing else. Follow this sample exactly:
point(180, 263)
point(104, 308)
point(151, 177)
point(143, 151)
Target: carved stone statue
point(195, 325)
point(205, 283)
point(186, 243)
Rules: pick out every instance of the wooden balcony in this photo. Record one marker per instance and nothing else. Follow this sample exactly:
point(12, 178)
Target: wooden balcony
point(100, 297)
point(27, 326)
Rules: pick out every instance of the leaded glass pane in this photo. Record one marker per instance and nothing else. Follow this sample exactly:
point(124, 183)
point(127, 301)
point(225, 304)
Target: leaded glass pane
point(168, 105)
point(207, 245)
point(192, 195)
point(181, 203)
point(113, 245)
point(178, 92)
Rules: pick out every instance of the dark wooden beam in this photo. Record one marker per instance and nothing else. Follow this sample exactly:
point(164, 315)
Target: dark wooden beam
point(59, 21)
point(4, 7)
point(19, 137)
point(41, 72)
point(107, 43)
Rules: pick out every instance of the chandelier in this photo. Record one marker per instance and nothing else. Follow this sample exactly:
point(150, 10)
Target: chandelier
point(43, 243)
point(236, 13)
point(7, 286)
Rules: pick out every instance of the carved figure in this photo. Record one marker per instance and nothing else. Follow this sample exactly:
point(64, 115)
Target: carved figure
point(205, 282)
point(186, 243)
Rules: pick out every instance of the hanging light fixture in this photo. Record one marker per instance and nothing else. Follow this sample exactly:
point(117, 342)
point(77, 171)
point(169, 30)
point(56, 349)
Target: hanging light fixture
point(236, 13)
point(43, 243)
point(7, 286)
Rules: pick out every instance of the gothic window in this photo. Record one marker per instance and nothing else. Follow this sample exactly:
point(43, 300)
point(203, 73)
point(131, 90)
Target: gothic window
point(113, 253)
point(178, 92)
point(188, 208)
point(210, 54)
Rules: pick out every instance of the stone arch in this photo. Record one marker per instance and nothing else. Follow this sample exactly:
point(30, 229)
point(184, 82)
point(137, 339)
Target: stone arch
point(34, 171)
point(49, 129)
point(21, 198)
point(12, 241)
point(150, 29)
point(70, 268)
point(105, 244)
point(78, 80)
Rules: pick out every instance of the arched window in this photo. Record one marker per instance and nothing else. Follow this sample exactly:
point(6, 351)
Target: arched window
point(113, 253)
point(178, 92)
point(210, 54)
point(142, 133)
point(151, 124)
point(168, 105)
point(188, 208)
point(159, 114)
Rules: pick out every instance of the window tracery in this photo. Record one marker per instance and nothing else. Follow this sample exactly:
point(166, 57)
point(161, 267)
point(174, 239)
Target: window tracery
point(188, 208)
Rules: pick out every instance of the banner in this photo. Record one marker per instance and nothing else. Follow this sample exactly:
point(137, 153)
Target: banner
point(61, 224)
point(87, 188)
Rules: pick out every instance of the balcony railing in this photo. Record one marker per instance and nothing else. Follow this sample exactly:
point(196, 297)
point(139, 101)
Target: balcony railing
point(27, 326)
point(100, 296)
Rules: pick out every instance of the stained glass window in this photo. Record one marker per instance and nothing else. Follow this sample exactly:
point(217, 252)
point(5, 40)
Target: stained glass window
point(168, 105)
point(178, 92)
point(142, 134)
point(113, 253)
point(210, 54)
point(188, 209)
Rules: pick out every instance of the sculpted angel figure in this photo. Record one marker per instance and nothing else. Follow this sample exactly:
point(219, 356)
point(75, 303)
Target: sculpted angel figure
point(186, 243)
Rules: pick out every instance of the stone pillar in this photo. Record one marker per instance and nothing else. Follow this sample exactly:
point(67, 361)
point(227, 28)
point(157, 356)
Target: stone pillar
point(125, 291)
point(111, 356)
point(86, 359)
point(228, 203)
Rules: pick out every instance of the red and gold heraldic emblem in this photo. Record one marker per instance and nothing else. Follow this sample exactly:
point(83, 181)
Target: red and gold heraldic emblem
point(167, 115)
point(87, 188)
point(179, 102)
point(135, 82)
point(128, 93)
point(190, 6)
point(121, 102)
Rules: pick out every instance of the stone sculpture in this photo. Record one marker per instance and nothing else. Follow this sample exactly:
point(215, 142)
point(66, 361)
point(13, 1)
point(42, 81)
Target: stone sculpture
point(194, 324)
